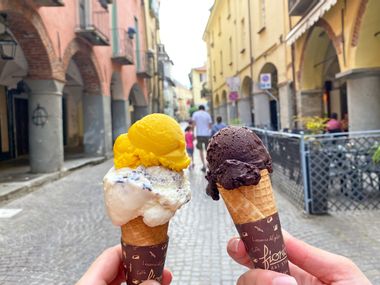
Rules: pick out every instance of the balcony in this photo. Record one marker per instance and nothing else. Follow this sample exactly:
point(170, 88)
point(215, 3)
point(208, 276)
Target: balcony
point(122, 46)
point(50, 3)
point(144, 64)
point(300, 7)
point(93, 23)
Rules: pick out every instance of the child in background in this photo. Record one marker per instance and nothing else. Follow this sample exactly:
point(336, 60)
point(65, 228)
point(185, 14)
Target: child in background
point(189, 138)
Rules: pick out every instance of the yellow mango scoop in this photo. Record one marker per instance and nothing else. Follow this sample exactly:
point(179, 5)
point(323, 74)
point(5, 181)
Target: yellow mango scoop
point(156, 139)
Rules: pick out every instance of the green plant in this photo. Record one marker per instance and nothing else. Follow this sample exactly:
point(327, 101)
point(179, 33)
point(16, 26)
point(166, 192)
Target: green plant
point(376, 155)
point(235, 121)
point(315, 125)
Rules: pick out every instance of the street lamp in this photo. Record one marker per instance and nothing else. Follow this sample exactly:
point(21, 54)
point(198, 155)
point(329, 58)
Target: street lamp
point(7, 46)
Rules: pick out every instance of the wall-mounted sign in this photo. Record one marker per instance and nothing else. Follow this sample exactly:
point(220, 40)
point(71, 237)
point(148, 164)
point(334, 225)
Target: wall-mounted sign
point(265, 81)
point(39, 116)
point(234, 85)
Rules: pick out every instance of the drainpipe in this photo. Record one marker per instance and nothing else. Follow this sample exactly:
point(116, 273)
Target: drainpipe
point(250, 60)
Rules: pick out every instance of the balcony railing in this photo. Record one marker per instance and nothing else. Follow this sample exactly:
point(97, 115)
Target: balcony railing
point(122, 46)
point(93, 22)
point(50, 3)
point(300, 7)
point(144, 64)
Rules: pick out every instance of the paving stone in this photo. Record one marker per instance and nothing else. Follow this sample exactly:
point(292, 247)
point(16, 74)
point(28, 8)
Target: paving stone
point(63, 227)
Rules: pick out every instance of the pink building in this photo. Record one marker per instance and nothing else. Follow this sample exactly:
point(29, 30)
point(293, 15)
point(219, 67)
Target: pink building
point(78, 77)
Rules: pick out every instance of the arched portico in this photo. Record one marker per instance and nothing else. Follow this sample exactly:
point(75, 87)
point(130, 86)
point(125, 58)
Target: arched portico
point(245, 102)
point(138, 103)
point(97, 129)
point(321, 93)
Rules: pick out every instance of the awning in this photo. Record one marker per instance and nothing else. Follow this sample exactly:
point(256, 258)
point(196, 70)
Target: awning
point(309, 20)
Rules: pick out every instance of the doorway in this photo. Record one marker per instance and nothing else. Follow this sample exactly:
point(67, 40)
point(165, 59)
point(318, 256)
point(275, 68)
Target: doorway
point(22, 128)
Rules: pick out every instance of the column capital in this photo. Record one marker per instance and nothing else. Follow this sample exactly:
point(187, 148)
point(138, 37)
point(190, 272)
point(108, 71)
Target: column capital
point(358, 73)
point(45, 87)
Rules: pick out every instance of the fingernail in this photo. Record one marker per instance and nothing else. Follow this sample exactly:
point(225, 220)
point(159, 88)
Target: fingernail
point(284, 280)
point(235, 244)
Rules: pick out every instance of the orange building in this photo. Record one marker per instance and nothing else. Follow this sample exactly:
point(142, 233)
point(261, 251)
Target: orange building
point(73, 75)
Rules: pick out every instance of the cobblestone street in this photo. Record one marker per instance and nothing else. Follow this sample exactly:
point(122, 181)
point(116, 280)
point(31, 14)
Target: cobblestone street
point(63, 226)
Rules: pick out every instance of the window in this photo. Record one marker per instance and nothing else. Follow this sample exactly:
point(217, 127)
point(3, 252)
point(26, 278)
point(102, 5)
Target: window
point(214, 70)
point(221, 62)
point(262, 15)
point(220, 26)
point(243, 36)
point(231, 56)
point(229, 9)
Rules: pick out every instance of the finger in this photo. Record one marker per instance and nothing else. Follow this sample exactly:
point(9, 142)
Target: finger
point(319, 263)
point(237, 251)
point(167, 277)
point(260, 277)
point(105, 268)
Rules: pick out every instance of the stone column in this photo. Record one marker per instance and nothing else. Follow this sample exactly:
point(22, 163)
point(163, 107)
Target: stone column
point(245, 111)
point(139, 112)
point(120, 123)
point(97, 124)
point(45, 126)
point(223, 112)
point(286, 106)
point(363, 99)
point(262, 110)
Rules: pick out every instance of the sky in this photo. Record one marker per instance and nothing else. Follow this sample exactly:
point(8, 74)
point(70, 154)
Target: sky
point(182, 23)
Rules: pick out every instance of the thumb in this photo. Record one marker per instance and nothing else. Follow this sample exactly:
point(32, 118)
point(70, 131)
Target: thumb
point(259, 277)
point(150, 282)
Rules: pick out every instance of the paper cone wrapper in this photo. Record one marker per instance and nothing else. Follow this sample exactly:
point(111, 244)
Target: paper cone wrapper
point(144, 251)
point(253, 210)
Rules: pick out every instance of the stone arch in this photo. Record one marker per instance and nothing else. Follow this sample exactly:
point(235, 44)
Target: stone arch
point(246, 87)
point(245, 102)
point(321, 93)
point(223, 106)
point(119, 106)
point(89, 68)
point(30, 32)
point(367, 38)
point(138, 102)
point(267, 103)
point(358, 23)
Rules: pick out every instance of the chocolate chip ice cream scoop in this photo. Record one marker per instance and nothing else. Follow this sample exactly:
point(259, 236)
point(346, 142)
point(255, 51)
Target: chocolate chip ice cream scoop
point(235, 157)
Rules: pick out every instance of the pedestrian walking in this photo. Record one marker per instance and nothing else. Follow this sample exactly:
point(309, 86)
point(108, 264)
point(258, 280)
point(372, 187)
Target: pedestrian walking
point(218, 126)
point(189, 139)
point(333, 125)
point(202, 123)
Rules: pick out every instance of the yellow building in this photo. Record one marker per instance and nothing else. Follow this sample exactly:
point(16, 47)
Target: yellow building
point(244, 40)
point(198, 79)
point(152, 26)
point(184, 98)
point(337, 59)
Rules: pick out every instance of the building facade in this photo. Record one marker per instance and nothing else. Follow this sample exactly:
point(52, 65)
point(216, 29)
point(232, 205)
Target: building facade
point(321, 57)
point(78, 78)
point(184, 98)
point(337, 59)
point(243, 42)
point(198, 79)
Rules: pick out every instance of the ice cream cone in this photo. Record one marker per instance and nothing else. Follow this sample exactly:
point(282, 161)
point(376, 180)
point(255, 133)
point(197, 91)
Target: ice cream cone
point(250, 203)
point(253, 210)
point(144, 251)
point(137, 233)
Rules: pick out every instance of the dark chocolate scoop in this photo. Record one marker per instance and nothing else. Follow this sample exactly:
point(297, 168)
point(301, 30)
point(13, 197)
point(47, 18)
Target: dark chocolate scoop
point(235, 157)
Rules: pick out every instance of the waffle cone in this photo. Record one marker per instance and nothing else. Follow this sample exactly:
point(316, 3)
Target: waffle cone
point(250, 203)
point(137, 233)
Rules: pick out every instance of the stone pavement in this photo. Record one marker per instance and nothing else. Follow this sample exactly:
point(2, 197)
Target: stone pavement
point(63, 227)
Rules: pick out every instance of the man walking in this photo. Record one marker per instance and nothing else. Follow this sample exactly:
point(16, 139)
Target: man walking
point(202, 123)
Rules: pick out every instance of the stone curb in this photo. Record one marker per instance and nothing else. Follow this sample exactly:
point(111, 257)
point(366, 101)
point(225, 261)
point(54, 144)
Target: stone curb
point(18, 189)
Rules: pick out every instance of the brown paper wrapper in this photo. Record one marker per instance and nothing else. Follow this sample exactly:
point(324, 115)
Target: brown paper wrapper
point(143, 263)
point(264, 243)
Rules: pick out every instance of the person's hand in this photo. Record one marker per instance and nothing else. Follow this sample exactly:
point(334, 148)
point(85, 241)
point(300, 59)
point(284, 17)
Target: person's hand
point(308, 266)
point(107, 269)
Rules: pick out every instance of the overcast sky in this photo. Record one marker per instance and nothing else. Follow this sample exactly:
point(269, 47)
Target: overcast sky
point(182, 23)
